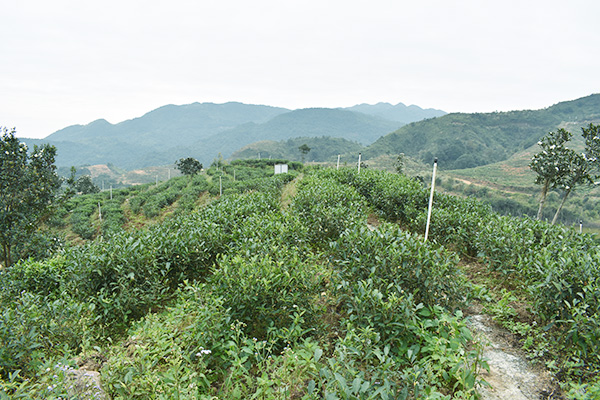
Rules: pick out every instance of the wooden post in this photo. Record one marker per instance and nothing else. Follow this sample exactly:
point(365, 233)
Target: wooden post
point(431, 198)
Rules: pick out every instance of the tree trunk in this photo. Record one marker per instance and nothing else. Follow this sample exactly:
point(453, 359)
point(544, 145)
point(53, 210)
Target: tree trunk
point(560, 207)
point(543, 198)
point(6, 255)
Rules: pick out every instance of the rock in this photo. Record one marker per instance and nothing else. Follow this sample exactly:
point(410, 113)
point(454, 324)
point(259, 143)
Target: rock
point(86, 385)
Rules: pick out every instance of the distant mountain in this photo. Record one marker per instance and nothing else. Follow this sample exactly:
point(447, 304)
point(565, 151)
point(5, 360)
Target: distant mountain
point(468, 140)
point(310, 122)
point(157, 138)
point(203, 131)
point(322, 149)
point(183, 124)
point(399, 113)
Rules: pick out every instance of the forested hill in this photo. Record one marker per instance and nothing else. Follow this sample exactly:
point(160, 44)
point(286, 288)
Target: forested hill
point(468, 140)
point(185, 124)
point(321, 149)
point(204, 130)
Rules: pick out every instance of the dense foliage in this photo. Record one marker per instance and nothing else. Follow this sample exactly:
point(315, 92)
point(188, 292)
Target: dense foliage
point(249, 297)
point(29, 186)
point(189, 166)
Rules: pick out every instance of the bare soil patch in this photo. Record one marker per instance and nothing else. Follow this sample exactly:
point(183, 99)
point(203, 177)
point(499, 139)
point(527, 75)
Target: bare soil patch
point(511, 375)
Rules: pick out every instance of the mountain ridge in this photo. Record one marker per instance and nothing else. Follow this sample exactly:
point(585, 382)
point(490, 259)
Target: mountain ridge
point(203, 131)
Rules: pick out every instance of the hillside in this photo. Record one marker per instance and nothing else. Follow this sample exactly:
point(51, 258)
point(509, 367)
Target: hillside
point(310, 286)
point(311, 122)
point(157, 138)
point(322, 149)
point(469, 140)
point(203, 130)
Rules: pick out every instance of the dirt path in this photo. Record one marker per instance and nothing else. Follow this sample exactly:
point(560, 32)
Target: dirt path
point(511, 376)
point(468, 182)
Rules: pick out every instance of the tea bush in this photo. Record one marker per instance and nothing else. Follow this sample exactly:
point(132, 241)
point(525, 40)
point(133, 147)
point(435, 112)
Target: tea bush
point(270, 293)
point(398, 262)
point(327, 208)
point(34, 327)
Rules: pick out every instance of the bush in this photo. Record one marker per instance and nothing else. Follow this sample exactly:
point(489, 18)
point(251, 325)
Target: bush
point(35, 327)
point(327, 209)
point(270, 293)
point(399, 262)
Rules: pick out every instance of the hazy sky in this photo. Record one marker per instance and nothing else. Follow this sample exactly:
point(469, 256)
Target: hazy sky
point(71, 62)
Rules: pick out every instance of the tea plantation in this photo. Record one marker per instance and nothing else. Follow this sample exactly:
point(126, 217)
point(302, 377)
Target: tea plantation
point(278, 289)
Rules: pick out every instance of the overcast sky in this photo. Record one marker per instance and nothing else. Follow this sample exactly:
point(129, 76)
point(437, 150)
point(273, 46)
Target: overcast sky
point(69, 62)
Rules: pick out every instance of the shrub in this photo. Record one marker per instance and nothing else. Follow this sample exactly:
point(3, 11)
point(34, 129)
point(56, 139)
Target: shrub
point(399, 261)
point(327, 208)
point(270, 293)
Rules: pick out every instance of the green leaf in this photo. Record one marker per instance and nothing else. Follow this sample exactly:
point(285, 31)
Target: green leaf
point(318, 354)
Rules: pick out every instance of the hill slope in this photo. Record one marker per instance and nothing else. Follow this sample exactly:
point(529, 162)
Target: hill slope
point(203, 131)
point(469, 140)
point(322, 149)
point(310, 122)
point(158, 137)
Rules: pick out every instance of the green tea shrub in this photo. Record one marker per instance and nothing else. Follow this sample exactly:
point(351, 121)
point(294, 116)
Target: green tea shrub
point(187, 248)
point(267, 233)
point(178, 353)
point(270, 293)
point(454, 223)
point(400, 261)
point(120, 276)
point(43, 278)
point(81, 217)
point(127, 274)
point(34, 327)
point(395, 348)
point(327, 208)
point(113, 217)
point(395, 197)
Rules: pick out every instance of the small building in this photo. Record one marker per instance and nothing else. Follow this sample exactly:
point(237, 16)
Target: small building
point(281, 169)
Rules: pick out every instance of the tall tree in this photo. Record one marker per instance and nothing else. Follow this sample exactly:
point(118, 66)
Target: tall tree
point(85, 185)
point(29, 186)
point(582, 169)
point(304, 150)
point(188, 166)
point(551, 162)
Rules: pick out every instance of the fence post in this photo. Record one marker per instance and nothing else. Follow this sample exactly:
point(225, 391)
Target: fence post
point(359, 156)
point(431, 198)
point(338, 163)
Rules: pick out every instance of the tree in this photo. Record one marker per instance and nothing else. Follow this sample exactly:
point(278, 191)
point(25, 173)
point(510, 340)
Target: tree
point(188, 166)
point(304, 150)
point(85, 185)
point(399, 164)
point(582, 169)
point(551, 163)
point(29, 186)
